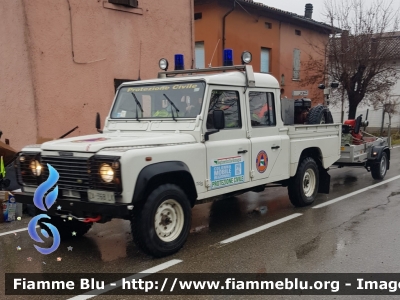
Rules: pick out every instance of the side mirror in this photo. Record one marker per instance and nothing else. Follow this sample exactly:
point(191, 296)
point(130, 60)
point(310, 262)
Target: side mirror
point(98, 123)
point(219, 119)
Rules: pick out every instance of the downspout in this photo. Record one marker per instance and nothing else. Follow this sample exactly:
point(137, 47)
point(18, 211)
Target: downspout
point(31, 66)
point(223, 24)
point(191, 31)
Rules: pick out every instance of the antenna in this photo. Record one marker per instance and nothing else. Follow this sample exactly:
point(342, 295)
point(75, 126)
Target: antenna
point(209, 65)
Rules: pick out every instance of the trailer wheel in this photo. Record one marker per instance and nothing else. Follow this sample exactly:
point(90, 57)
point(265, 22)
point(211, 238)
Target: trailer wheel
point(378, 170)
point(161, 226)
point(303, 187)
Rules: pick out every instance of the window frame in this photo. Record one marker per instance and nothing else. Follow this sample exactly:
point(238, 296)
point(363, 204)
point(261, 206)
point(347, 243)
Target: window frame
point(240, 126)
point(269, 60)
point(198, 16)
point(296, 71)
point(273, 105)
point(126, 3)
point(204, 54)
point(157, 84)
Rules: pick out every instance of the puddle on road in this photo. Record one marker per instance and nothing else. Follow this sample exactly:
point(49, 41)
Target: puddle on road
point(112, 241)
point(303, 250)
point(230, 212)
point(347, 180)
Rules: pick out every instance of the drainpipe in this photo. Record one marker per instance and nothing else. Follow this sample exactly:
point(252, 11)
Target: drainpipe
point(223, 24)
point(191, 30)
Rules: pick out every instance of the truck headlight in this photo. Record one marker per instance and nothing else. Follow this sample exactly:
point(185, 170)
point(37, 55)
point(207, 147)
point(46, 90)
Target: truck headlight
point(106, 173)
point(35, 167)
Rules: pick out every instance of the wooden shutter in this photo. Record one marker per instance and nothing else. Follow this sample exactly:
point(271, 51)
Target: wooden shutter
point(296, 64)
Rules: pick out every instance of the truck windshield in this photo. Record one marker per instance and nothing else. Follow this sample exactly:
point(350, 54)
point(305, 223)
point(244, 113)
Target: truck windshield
point(186, 96)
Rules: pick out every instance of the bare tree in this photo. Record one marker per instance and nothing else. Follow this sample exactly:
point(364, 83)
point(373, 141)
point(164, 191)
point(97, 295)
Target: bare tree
point(361, 57)
point(390, 105)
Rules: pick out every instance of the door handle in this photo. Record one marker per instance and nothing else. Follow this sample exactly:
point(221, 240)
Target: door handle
point(242, 152)
point(275, 147)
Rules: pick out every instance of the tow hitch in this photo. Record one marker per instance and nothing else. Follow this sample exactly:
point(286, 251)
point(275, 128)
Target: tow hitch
point(84, 220)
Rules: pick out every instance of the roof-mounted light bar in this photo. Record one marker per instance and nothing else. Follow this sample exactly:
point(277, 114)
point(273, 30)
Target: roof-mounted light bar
point(228, 66)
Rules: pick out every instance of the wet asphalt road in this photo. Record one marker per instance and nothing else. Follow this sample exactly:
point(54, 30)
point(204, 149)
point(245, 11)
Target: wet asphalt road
point(358, 234)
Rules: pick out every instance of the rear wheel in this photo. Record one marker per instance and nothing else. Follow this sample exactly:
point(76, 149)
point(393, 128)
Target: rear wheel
point(161, 226)
point(303, 187)
point(378, 170)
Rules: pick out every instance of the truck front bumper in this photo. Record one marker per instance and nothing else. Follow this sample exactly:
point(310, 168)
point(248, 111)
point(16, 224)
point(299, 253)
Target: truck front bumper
point(81, 208)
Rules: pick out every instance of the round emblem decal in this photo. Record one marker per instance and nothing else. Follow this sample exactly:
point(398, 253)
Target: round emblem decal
point(262, 161)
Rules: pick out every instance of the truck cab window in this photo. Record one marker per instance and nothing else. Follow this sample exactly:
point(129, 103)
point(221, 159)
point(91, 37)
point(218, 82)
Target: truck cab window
point(228, 101)
point(262, 109)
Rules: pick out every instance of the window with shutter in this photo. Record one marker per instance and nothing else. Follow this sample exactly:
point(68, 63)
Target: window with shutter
point(296, 64)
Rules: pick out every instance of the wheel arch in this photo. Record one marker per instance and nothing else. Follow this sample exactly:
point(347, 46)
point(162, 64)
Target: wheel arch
point(379, 150)
point(313, 152)
point(387, 151)
point(173, 172)
point(324, 177)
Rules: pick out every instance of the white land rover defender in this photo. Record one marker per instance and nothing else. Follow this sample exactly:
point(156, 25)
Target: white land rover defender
point(169, 143)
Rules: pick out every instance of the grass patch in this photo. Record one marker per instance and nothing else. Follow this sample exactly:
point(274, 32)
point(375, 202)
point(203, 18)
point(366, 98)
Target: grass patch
point(396, 138)
point(395, 135)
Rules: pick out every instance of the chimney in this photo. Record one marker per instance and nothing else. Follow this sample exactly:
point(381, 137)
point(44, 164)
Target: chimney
point(309, 11)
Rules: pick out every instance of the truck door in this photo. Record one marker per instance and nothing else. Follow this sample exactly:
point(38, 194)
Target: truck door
point(228, 151)
point(266, 143)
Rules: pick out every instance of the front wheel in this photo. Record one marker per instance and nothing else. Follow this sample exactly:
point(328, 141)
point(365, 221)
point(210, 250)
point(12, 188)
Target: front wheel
point(303, 187)
point(161, 226)
point(378, 170)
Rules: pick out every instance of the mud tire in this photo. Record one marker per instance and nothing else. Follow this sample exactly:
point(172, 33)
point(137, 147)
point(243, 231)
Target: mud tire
point(148, 234)
point(378, 170)
point(303, 187)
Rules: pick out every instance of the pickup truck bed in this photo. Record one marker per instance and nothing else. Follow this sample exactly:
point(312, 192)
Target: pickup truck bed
point(305, 136)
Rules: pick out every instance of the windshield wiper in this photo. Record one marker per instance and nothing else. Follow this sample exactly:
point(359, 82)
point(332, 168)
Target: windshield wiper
point(137, 104)
point(172, 103)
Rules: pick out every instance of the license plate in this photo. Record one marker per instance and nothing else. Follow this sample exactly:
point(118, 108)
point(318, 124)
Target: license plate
point(101, 196)
point(342, 148)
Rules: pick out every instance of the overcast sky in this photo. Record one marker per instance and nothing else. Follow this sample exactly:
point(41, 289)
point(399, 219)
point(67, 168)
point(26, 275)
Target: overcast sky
point(298, 6)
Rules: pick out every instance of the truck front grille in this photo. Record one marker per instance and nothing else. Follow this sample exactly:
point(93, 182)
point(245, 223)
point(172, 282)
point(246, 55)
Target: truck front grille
point(73, 171)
